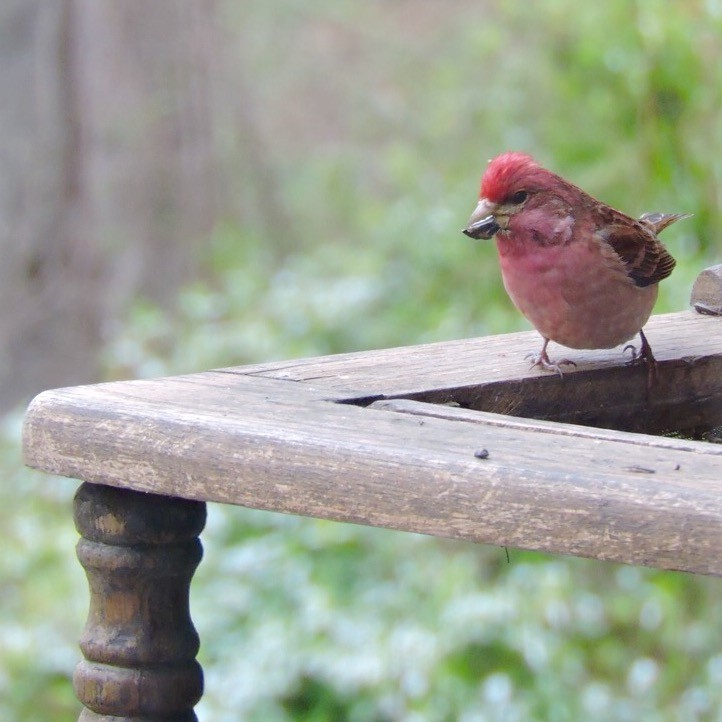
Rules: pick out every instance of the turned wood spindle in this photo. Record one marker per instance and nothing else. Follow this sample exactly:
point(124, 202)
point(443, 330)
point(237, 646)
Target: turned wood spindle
point(139, 552)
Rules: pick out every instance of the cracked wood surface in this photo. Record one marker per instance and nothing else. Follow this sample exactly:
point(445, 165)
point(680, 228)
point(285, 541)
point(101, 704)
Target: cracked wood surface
point(392, 438)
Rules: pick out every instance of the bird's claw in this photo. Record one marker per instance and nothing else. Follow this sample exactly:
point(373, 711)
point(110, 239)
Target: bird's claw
point(647, 357)
point(643, 357)
point(634, 356)
point(542, 361)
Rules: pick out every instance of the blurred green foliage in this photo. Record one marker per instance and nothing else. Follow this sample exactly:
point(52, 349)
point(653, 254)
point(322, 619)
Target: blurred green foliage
point(380, 128)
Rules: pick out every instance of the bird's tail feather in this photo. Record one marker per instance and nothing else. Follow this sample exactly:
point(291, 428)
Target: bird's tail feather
point(659, 221)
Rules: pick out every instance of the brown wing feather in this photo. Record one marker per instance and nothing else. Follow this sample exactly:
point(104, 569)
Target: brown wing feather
point(645, 258)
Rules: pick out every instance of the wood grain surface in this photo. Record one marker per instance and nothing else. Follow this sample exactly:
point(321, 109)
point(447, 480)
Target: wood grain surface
point(393, 438)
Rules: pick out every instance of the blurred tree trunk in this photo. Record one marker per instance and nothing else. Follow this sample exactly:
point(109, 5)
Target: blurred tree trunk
point(107, 184)
point(146, 68)
point(49, 312)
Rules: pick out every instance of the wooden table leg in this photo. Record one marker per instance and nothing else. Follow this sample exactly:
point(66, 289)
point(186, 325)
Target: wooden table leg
point(139, 552)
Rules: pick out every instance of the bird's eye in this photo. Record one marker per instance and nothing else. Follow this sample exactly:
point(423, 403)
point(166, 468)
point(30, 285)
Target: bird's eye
point(519, 197)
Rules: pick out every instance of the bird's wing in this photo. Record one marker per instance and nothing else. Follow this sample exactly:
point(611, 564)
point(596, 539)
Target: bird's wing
point(645, 259)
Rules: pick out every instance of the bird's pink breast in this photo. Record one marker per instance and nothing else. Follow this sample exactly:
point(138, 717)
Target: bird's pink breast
point(576, 294)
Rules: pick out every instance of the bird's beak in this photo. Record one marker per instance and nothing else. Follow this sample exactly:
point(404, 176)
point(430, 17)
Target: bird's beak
point(482, 223)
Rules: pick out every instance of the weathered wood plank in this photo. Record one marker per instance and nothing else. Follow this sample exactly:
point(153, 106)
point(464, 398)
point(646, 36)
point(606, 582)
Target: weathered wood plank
point(491, 374)
point(686, 337)
point(278, 445)
point(440, 411)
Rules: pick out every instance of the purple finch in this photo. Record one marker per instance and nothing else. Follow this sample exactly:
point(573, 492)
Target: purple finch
point(583, 273)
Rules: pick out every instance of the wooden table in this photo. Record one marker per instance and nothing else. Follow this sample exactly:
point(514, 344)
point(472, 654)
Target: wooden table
point(458, 439)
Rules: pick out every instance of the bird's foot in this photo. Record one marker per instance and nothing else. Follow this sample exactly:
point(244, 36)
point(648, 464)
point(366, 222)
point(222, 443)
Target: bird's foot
point(542, 361)
point(634, 356)
point(643, 356)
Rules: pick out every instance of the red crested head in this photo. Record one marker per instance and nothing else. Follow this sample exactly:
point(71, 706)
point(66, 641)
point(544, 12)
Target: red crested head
point(504, 173)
